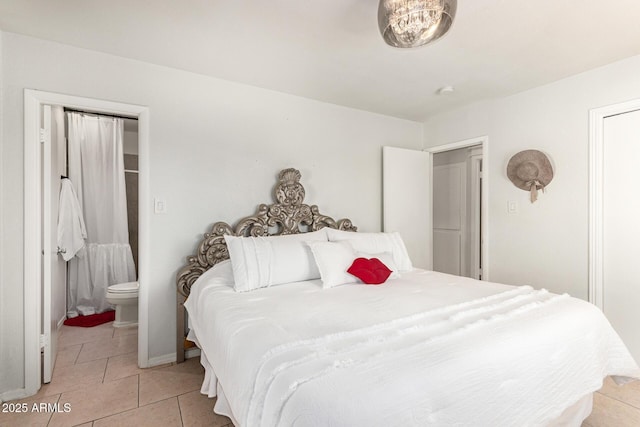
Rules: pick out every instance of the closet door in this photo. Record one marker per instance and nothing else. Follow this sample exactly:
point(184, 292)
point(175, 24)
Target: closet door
point(621, 227)
point(449, 219)
point(406, 207)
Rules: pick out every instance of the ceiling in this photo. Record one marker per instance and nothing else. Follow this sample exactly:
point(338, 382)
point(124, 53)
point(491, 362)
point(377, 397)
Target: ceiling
point(330, 50)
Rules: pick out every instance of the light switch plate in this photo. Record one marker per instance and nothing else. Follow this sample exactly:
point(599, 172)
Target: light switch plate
point(159, 206)
point(512, 207)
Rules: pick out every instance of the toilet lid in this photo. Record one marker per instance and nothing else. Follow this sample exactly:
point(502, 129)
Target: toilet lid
point(124, 287)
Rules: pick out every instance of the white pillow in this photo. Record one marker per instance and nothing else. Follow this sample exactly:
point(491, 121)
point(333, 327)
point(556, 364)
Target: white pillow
point(375, 243)
point(258, 262)
point(385, 257)
point(333, 260)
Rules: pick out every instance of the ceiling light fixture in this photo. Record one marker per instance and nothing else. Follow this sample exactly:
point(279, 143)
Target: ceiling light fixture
point(413, 23)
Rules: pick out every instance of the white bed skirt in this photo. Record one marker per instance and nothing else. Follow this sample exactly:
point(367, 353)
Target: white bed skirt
point(211, 386)
point(576, 414)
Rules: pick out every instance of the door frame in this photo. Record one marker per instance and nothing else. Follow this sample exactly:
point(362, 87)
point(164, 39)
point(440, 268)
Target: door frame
point(475, 232)
point(484, 142)
point(33, 101)
point(596, 188)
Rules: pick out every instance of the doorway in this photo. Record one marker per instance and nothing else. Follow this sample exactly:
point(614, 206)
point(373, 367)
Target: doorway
point(457, 211)
point(100, 151)
point(472, 156)
point(40, 331)
point(408, 198)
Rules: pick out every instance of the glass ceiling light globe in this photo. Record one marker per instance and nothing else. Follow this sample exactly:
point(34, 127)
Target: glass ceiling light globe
point(413, 23)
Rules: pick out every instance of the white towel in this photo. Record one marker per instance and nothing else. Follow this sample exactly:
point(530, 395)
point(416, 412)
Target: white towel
point(71, 228)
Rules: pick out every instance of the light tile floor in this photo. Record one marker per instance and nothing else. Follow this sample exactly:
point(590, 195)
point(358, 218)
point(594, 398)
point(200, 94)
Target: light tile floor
point(97, 375)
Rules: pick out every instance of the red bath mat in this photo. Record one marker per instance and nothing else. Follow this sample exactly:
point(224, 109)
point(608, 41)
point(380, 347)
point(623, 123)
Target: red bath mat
point(92, 319)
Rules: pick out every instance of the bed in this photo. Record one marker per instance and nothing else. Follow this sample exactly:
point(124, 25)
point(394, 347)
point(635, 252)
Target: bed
point(423, 348)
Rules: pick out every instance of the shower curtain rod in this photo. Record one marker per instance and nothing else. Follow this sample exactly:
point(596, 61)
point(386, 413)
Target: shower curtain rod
point(72, 110)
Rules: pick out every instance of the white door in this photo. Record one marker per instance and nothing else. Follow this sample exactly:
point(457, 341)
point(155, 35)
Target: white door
point(449, 219)
point(406, 208)
point(621, 227)
point(53, 266)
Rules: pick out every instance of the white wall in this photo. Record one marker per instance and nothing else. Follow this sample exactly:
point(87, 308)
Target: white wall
point(215, 150)
point(7, 352)
point(544, 244)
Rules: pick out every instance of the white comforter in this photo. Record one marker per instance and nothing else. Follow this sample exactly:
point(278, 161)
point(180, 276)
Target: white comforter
point(426, 349)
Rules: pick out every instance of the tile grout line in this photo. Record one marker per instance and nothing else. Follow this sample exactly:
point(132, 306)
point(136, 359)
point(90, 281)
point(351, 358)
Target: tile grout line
point(75, 361)
point(104, 374)
point(618, 400)
point(180, 410)
point(129, 410)
point(57, 402)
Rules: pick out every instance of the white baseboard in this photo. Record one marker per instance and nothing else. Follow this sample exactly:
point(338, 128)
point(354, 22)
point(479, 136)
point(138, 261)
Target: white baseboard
point(169, 358)
point(192, 352)
point(61, 322)
point(161, 360)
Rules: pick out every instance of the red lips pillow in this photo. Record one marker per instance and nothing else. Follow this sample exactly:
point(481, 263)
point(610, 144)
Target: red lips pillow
point(370, 271)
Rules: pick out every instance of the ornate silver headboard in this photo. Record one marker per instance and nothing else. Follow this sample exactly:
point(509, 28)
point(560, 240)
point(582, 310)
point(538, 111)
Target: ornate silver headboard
point(289, 215)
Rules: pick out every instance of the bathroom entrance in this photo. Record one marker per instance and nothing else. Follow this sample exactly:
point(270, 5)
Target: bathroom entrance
point(100, 182)
point(97, 218)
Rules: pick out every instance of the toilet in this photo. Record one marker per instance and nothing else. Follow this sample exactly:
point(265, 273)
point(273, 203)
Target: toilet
point(124, 296)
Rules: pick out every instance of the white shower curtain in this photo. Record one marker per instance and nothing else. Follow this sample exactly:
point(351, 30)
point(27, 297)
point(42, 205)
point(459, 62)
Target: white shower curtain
point(96, 169)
